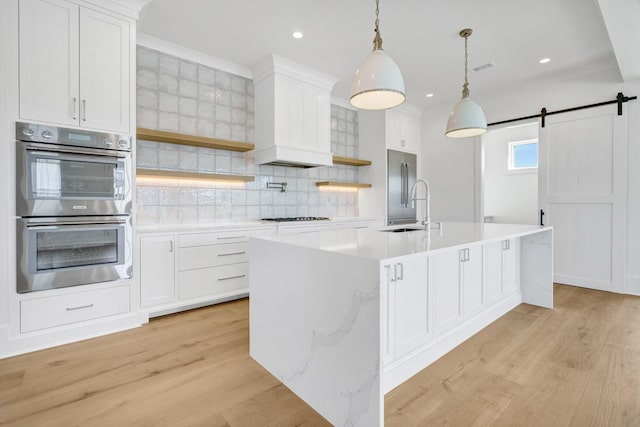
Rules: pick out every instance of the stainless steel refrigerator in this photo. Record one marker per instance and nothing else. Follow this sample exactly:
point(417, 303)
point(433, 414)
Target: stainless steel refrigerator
point(401, 175)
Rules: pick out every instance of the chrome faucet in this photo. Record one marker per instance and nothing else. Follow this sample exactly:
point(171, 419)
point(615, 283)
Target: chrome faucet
point(426, 221)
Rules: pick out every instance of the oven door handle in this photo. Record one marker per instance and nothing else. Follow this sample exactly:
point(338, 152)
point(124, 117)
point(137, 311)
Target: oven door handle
point(48, 148)
point(92, 222)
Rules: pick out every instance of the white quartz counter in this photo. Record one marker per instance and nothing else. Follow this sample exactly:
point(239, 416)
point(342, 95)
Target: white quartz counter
point(377, 244)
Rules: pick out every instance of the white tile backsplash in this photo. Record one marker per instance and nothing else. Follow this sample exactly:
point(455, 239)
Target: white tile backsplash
point(180, 96)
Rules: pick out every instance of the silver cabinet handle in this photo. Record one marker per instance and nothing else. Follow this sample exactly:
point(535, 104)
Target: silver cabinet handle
point(84, 110)
point(231, 277)
point(467, 256)
point(462, 255)
point(231, 237)
point(364, 226)
point(79, 307)
point(75, 108)
point(401, 271)
point(506, 245)
point(395, 273)
point(170, 245)
point(233, 253)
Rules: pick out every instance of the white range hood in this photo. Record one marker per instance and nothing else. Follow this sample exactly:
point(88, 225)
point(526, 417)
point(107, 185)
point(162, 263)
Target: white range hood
point(292, 114)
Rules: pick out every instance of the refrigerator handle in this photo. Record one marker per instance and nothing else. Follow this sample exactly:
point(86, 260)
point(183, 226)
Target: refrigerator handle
point(406, 184)
point(402, 184)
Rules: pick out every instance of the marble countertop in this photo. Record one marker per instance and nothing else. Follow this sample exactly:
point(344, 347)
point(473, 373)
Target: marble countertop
point(378, 244)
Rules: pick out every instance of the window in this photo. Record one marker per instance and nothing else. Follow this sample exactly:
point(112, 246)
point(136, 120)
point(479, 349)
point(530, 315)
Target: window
point(523, 155)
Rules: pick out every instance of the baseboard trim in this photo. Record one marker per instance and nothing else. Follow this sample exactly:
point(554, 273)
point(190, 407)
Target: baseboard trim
point(633, 285)
point(47, 338)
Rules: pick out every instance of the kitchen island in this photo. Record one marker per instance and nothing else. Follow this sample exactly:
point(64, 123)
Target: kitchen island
point(342, 317)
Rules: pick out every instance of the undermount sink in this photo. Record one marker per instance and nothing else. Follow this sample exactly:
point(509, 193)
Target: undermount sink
point(403, 230)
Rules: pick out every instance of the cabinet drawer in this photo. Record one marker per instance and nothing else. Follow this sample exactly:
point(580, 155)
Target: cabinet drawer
point(222, 237)
point(213, 281)
point(213, 255)
point(41, 313)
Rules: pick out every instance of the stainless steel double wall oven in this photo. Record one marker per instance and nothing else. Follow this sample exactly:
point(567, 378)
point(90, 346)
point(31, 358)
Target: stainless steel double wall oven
point(73, 203)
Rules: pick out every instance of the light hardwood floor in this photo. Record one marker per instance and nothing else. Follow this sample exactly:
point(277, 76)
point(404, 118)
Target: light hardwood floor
point(576, 365)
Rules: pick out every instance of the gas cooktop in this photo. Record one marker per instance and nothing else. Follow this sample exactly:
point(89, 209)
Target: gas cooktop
point(298, 218)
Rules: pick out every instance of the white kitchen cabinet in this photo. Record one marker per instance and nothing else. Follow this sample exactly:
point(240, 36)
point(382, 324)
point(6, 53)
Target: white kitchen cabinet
point(74, 65)
point(407, 317)
point(500, 269)
point(459, 292)
point(471, 279)
point(186, 269)
point(157, 267)
point(104, 71)
point(447, 290)
point(403, 131)
point(52, 311)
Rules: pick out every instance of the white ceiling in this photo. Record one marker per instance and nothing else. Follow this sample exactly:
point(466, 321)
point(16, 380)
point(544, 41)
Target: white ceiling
point(421, 35)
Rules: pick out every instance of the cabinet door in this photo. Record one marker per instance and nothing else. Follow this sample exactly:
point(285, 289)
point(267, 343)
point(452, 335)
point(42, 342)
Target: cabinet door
point(472, 292)
point(388, 315)
point(446, 278)
point(493, 271)
point(510, 275)
point(104, 71)
point(157, 265)
point(49, 46)
point(412, 325)
point(410, 128)
point(394, 132)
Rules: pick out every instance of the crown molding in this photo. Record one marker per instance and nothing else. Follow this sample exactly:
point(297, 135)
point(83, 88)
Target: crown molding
point(164, 46)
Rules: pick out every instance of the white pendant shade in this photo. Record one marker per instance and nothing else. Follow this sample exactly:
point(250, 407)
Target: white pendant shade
point(466, 119)
point(378, 83)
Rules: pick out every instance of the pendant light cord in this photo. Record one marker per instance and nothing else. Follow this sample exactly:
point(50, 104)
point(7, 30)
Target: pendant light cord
point(377, 40)
point(465, 87)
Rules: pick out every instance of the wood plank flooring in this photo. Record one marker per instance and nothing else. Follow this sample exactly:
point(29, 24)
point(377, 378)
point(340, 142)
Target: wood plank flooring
point(576, 365)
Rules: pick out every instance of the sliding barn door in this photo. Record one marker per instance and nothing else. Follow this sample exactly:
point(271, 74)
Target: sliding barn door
point(582, 191)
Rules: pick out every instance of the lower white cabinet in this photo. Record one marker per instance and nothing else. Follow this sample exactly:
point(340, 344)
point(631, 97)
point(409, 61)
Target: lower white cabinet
point(459, 289)
point(48, 312)
point(157, 267)
point(447, 290)
point(408, 325)
point(187, 269)
point(221, 280)
point(471, 279)
point(501, 269)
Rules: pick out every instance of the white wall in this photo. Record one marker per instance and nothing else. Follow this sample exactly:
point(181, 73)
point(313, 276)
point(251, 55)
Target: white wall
point(510, 197)
point(452, 166)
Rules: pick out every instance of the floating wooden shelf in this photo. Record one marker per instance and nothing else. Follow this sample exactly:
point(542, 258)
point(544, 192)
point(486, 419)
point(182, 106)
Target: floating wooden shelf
point(337, 160)
point(206, 176)
point(342, 184)
point(193, 140)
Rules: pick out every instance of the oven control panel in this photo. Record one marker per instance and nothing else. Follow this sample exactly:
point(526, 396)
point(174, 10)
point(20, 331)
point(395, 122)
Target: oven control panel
point(74, 137)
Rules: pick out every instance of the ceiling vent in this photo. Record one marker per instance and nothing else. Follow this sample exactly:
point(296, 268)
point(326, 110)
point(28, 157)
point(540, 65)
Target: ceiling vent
point(483, 67)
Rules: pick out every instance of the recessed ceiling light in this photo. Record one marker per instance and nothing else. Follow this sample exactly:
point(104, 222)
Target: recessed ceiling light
point(429, 95)
point(545, 60)
point(297, 35)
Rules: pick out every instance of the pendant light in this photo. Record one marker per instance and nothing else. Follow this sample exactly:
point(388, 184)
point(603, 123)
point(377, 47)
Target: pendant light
point(378, 83)
point(467, 118)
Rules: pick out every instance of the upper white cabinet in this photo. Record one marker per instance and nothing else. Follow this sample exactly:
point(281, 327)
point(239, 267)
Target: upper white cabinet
point(74, 66)
point(403, 131)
